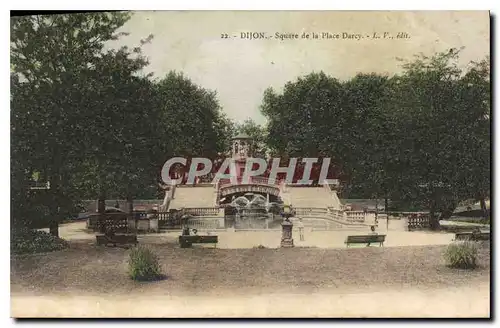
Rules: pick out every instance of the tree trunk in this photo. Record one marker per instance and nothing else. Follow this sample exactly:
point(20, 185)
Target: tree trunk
point(130, 207)
point(447, 212)
point(101, 208)
point(130, 210)
point(386, 205)
point(54, 228)
point(54, 207)
point(482, 201)
point(433, 218)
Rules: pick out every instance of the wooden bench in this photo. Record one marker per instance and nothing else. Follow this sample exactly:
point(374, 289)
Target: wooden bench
point(116, 239)
point(476, 236)
point(188, 241)
point(365, 239)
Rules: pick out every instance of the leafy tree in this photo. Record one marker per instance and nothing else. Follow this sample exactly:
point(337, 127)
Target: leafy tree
point(257, 133)
point(371, 133)
point(191, 119)
point(68, 80)
point(306, 119)
point(432, 103)
point(421, 137)
point(475, 98)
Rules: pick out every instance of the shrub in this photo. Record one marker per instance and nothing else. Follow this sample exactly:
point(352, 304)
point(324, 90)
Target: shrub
point(35, 241)
point(462, 254)
point(143, 264)
point(260, 247)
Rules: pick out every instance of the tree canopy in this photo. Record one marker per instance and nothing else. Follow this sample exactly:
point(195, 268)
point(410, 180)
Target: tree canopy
point(421, 137)
point(86, 118)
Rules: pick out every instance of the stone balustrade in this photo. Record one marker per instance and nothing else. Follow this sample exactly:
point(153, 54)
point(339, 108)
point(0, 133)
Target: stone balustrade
point(202, 211)
point(251, 180)
point(310, 211)
point(355, 216)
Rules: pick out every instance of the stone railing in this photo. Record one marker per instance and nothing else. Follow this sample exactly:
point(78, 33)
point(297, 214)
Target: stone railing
point(355, 216)
point(346, 216)
point(250, 180)
point(208, 223)
point(321, 225)
point(310, 211)
point(328, 186)
point(202, 211)
point(416, 222)
point(115, 221)
point(337, 214)
point(169, 195)
point(169, 220)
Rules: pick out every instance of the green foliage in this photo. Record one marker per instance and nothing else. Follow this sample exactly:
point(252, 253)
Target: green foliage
point(258, 133)
point(462, 254)
point(64, 84)
point(191, 118)
point(419, 138)
point(34, 241)
point(143, 264)
point(304, 121)
point(86, 119)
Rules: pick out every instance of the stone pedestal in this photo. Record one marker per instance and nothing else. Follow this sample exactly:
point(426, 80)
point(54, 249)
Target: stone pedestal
point(131, 225)
point(143, 225)
point(153, 225)
point(286, 234)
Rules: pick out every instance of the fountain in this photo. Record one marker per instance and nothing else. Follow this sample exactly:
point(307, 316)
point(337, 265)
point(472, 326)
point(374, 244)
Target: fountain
point(252, 211)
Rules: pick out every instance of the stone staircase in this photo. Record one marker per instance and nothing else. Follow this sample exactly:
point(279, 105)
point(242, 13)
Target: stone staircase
point(312, 197)
point(189, 196)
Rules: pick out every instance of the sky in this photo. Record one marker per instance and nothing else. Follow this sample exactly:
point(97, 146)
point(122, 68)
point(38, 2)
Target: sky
point(239, 70)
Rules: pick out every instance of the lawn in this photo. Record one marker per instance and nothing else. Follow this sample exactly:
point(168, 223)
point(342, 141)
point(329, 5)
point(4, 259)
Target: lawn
point(86, 269)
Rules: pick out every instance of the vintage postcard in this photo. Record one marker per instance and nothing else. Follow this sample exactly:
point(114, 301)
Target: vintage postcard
point(250, 164)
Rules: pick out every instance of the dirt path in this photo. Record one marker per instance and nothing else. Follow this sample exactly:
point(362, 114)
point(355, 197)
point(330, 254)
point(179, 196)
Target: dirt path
point(395, 237)
point(450, 302)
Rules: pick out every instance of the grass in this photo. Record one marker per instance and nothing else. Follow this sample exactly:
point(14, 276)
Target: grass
point(88, 269)
point(34, 241)
point(462, 254)
point(143, 264)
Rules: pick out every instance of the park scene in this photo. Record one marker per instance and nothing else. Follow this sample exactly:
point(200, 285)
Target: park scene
point(138, 190)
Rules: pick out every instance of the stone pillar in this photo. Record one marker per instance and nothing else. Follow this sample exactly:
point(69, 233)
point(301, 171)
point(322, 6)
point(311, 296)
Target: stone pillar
point(221, 223)
point(404, 221)
point(153, 224)
point(131, 224)
point(143, 225)
point(286, 234)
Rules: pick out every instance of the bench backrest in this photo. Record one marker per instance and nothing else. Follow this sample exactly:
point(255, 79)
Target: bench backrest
point(471, 235)
point(117, 238)
point(198, 239)
point(365, 238)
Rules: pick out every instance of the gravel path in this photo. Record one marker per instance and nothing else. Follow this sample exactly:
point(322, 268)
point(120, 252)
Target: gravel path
point(453, 302)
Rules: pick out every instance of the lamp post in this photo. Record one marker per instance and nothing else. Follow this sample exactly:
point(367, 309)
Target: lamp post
point(287, 226)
